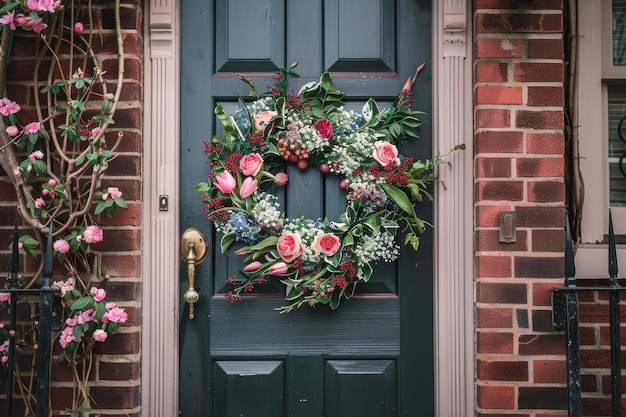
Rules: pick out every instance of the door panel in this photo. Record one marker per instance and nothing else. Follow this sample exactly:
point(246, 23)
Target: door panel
point(374, 355)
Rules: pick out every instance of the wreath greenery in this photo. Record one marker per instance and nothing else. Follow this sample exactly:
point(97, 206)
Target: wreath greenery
point(320, 261)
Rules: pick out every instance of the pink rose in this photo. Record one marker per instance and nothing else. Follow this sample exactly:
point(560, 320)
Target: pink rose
point(78, 27)
point(100, 335)
point(32, 127)
point(225, 182)
point(39, 203)
point(115, 315)
point(289, 246)
point(248, 186)
point(324, 128)
point(278, 268)
point(93, 234)
point(251, 164)
point(326, 243)
point(36, 155)
point(262, 119)
point(52, 182)
point(385, 153)
point(12, 130)
point(61, 246)
point(115, 192)
point(98, 294)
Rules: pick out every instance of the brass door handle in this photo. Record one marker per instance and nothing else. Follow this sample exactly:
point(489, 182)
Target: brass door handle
point(193, 250)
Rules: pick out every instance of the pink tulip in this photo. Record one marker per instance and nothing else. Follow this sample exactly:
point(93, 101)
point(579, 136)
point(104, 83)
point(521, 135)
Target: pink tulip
point(252, 266)
point(248, 186)
point(281, 178)
point(407, 85)
point(225, 182)
point(278, 268)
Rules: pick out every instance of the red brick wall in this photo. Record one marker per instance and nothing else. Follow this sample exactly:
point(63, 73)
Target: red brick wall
point(519, 76)
point(115, 386)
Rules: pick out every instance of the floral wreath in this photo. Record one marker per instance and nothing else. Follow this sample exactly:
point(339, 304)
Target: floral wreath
point(320, 261)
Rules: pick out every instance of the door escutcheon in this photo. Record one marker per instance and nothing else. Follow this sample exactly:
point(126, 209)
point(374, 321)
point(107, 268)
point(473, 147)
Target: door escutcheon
point(193, 250)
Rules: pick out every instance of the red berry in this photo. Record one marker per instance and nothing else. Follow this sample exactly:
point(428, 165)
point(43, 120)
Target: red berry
point(293, 157)
point(324, 168)
point(303, 164)
point(343, 184)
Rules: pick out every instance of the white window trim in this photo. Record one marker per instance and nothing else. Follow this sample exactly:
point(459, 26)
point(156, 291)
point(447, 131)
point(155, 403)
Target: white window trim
point(452, 92)
point(595, 65)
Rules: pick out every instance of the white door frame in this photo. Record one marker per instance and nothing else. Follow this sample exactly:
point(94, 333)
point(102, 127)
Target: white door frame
point(454, 277)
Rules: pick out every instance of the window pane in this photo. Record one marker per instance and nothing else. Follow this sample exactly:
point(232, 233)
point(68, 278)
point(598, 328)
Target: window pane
point(619, 32)
point(617, 145)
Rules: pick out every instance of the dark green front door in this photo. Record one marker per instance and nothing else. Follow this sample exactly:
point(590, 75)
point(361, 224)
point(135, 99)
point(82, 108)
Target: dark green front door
point(373, 357)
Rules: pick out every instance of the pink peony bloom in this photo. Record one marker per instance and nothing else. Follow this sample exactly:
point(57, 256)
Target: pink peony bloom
point(4, 297)
point(78, 27)
point(39, 203)
point(32, 127)
point(289, 246)
point(278, 269)
point(12, 130)
point(93, 234)
point(100, 335)
point(248, 187)
point(52, 182)
point(61, 246)
point(4, 359)
point(114, 192)
point(98, 293)
point(36, 155)
point(20, 246)
point(251, 164)
point(45, 191)
point(225, 182)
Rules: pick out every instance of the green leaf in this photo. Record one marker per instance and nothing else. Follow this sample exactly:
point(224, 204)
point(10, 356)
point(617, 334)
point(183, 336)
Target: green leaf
point(202, 186)
point(100, 309)
point(365, 272)
point(82, 302)
point(370, 110)
point(9, 7)
point(226, 241)
point(294, 293)
point(120, 202)
point(40, 167)
point(400, 199)
point(335, 299)
point(78, 332)
point(265, 243)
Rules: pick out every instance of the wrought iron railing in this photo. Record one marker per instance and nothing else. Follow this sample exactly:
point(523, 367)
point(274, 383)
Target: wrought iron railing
point(566, 318)
point(49, 320)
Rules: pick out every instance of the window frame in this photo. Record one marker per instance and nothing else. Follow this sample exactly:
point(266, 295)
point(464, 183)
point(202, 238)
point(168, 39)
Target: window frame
point(595, 69)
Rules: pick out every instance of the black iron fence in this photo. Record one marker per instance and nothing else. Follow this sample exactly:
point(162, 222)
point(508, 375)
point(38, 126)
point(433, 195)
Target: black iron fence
point(566, 318)
point(49, 319)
